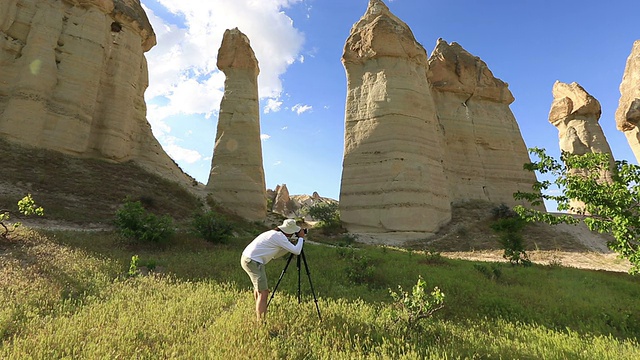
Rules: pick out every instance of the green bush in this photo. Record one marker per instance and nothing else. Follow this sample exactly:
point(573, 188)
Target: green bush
point(326, 214)
point(511, 239)
point(418, 304)
point(361, 270)
point(211, 226)
point(26, 206)
point(135, 223)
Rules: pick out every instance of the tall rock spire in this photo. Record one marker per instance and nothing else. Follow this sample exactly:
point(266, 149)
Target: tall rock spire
point(484, 146)
point(392, 178)
point(237, 180)
point(576, 114)
point(628, 113)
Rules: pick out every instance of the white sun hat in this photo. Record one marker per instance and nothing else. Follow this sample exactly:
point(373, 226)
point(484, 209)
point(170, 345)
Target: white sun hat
point(289, 226)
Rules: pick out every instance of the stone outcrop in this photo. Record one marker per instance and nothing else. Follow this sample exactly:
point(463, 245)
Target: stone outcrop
point(282, 203)
point(237, 180)
point(72, 79)
point(628, 113)
point(576, 114)
point(393, 177)
point(485, 151)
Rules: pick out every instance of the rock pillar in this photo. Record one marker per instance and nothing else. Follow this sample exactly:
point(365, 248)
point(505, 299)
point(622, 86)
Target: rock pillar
point(72, 79)
point(576, 114)
point(628, 113)
point(484, 146)
point(393, 178)
point(236, 180)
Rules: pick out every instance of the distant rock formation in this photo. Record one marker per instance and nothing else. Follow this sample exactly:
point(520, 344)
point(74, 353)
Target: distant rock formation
point(237, 180)
point(628, 113)
point(282, 203)
point(485, 151)
point(72, 79)
point(294, 206)
point(576, 114)
point(392, 177)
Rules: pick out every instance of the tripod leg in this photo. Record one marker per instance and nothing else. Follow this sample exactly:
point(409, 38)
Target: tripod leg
point(280, 278)
point(315, 299)
point(298, 265)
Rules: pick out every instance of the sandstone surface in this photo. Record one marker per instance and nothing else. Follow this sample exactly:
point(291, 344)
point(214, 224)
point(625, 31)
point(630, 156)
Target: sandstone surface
point(628, 113)
point(237, 180)
point(576, 114)
point(485, 152)
point(72, 79)
point(282, 203)
point(393, 177)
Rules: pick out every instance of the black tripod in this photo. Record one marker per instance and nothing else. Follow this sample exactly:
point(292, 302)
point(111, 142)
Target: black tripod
point(306, 267)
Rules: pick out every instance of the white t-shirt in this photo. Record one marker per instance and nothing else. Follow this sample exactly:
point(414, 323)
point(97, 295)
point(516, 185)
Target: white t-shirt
point(270, 245)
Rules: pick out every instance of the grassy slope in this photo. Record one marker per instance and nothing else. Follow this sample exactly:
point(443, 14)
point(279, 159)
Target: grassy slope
point(65, 294)
point(84, 191)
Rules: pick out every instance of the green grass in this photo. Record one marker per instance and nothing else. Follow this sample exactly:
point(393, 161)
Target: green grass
point(66, 295)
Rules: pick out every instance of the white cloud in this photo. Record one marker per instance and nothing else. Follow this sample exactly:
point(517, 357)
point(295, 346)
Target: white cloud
point(299, 108)
point(265, 136)
point(284, 128)
point(273, 105)
point(277, 163)
point(183, 77)
point(178, 153)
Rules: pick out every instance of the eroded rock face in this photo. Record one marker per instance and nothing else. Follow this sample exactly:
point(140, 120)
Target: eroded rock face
point(282, 203)
point(485, 151)
point(72, 79)
point(628, 113)
point(393, 178)
point(576, 114)
point(237, 180)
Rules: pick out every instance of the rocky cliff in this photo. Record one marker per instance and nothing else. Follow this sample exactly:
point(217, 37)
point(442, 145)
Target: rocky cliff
point(628, 113)
point(237, 180)
point(575, 113)
point(393, 178)
point(72, 79)
point(484, 148)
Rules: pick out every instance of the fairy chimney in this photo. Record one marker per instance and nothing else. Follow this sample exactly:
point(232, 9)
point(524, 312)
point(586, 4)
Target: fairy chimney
point(575, 113)
point(485, 151)
point(628, 113)
point(72, 79)
point(393, 178)
point(236, 180)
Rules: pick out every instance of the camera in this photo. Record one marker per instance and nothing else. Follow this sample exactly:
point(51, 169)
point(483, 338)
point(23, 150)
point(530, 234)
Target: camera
point(305, 231)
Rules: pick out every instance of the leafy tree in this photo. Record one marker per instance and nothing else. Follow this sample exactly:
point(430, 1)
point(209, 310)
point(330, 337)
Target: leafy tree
point(26, 206)
point(609, 206)
point(327, 214)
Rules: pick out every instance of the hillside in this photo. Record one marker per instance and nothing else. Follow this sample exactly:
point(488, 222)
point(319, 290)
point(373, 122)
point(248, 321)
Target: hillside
point(85, 192)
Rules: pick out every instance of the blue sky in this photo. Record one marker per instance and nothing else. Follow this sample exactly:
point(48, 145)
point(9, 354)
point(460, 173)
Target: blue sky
point(302, 84)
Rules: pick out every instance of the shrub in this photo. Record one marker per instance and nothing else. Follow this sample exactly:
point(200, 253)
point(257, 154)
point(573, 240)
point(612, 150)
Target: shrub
point(26, 206)
point(361, 270)
point(511, 240)
point(418, 304)
point(433, 257)
point(135, 223)
point(502, 211)
point(211, 226)
point(493, 273)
